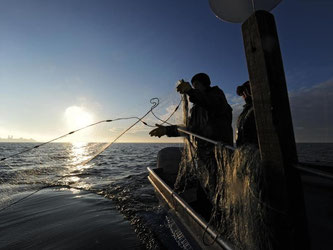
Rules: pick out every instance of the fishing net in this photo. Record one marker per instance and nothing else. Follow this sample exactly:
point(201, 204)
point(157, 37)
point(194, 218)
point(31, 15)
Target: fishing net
point(240, 214)
point(235, 183)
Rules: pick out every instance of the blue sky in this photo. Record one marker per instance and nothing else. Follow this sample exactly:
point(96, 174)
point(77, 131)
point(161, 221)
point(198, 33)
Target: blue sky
point(108, 58)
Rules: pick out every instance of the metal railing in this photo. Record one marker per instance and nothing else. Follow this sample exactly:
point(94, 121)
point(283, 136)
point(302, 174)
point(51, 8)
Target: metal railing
point(301, 168)
point(206, 139)
point(314, 171)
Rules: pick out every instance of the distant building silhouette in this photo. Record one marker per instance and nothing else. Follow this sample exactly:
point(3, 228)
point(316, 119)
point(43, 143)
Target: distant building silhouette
point(11, 138)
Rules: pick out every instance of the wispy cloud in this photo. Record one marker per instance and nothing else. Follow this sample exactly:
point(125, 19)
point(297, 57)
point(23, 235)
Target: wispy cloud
point(236, 102)
point(312, 112)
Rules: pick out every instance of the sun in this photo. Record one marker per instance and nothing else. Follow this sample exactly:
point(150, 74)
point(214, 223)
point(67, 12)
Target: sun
point(77, 117)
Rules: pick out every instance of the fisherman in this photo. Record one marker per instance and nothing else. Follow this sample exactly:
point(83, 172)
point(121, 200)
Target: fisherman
point(211, 117)
point(246, 132)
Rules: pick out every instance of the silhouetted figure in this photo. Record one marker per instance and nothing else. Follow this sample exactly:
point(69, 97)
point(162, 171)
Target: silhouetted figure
point(246, 132)
point(210, 117)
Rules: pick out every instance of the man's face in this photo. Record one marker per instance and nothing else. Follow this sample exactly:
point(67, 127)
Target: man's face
point(247, 98)
point(244, 95)
point(198, 85)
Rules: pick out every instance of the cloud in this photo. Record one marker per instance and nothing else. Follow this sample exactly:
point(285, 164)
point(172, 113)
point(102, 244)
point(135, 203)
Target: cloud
point(236, 102)
point(311, 108)
point(312, 112)
point(139, 128)
point(175, 118)
point(164, 113)
point(116, 130)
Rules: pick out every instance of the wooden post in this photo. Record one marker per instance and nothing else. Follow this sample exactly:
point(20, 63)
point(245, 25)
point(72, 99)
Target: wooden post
point(275, 131)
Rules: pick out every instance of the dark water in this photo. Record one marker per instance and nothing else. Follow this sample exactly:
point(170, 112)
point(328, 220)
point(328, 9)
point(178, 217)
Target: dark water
point(318, 153)
point(105, 204)
point(118, 176)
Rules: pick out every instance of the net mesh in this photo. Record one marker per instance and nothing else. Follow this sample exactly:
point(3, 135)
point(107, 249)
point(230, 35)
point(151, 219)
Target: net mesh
point(235, 183)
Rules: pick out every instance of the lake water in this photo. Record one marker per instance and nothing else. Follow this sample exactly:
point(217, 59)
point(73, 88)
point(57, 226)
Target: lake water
point(105, 204)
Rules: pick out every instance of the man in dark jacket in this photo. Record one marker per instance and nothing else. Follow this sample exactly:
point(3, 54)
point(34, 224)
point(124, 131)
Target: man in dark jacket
point(210, 117)
point(246, 132)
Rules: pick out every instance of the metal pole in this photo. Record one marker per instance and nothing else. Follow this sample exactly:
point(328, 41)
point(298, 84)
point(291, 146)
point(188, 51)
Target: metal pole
point(206, 139)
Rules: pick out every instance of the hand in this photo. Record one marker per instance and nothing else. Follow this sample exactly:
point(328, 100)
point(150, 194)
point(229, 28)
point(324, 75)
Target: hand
point(183, 87)
point(159, 131)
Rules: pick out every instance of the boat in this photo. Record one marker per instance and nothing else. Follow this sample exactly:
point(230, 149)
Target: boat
point(186, 210)
point(293, 193)
point(185, 207)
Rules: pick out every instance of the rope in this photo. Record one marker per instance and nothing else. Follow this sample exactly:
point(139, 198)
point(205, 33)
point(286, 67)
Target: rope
point(22, 199)
point(203, 235)
point(265, 204)
point(153, 101)
point(70, 133)
point(166, 121)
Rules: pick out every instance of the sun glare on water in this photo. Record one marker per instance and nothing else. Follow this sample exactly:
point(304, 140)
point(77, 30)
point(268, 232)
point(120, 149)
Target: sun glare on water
point(77, 117)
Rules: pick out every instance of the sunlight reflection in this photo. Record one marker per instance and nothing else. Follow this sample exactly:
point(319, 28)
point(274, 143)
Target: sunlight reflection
point(73, 179)
point(78, 153)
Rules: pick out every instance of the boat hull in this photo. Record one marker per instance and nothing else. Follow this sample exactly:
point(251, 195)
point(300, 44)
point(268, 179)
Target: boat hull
point(199, 229)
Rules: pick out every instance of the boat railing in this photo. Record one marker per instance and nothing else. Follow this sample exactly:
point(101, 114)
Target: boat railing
point(299, 166)
point(201, 222)
point(206, 139)
point(311, 170)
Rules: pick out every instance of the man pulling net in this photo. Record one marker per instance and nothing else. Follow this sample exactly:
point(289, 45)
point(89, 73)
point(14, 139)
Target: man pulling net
point(210, 117)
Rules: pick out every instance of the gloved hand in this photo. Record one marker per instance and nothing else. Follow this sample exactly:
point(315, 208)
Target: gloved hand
point(183, 87)
point(159, 131)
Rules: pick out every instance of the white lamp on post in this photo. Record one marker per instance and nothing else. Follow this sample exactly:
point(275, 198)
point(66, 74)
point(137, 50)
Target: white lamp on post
point(237, 11)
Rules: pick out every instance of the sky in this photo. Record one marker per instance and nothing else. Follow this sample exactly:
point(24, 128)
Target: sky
point(64, 64)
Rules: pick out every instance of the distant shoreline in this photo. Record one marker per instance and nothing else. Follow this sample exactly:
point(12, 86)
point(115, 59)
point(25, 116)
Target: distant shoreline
point(33, 141)
point(12, 141)
point(18, 140)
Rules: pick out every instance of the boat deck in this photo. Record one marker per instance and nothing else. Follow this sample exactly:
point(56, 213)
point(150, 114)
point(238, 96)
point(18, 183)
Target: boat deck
point(193, 210)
